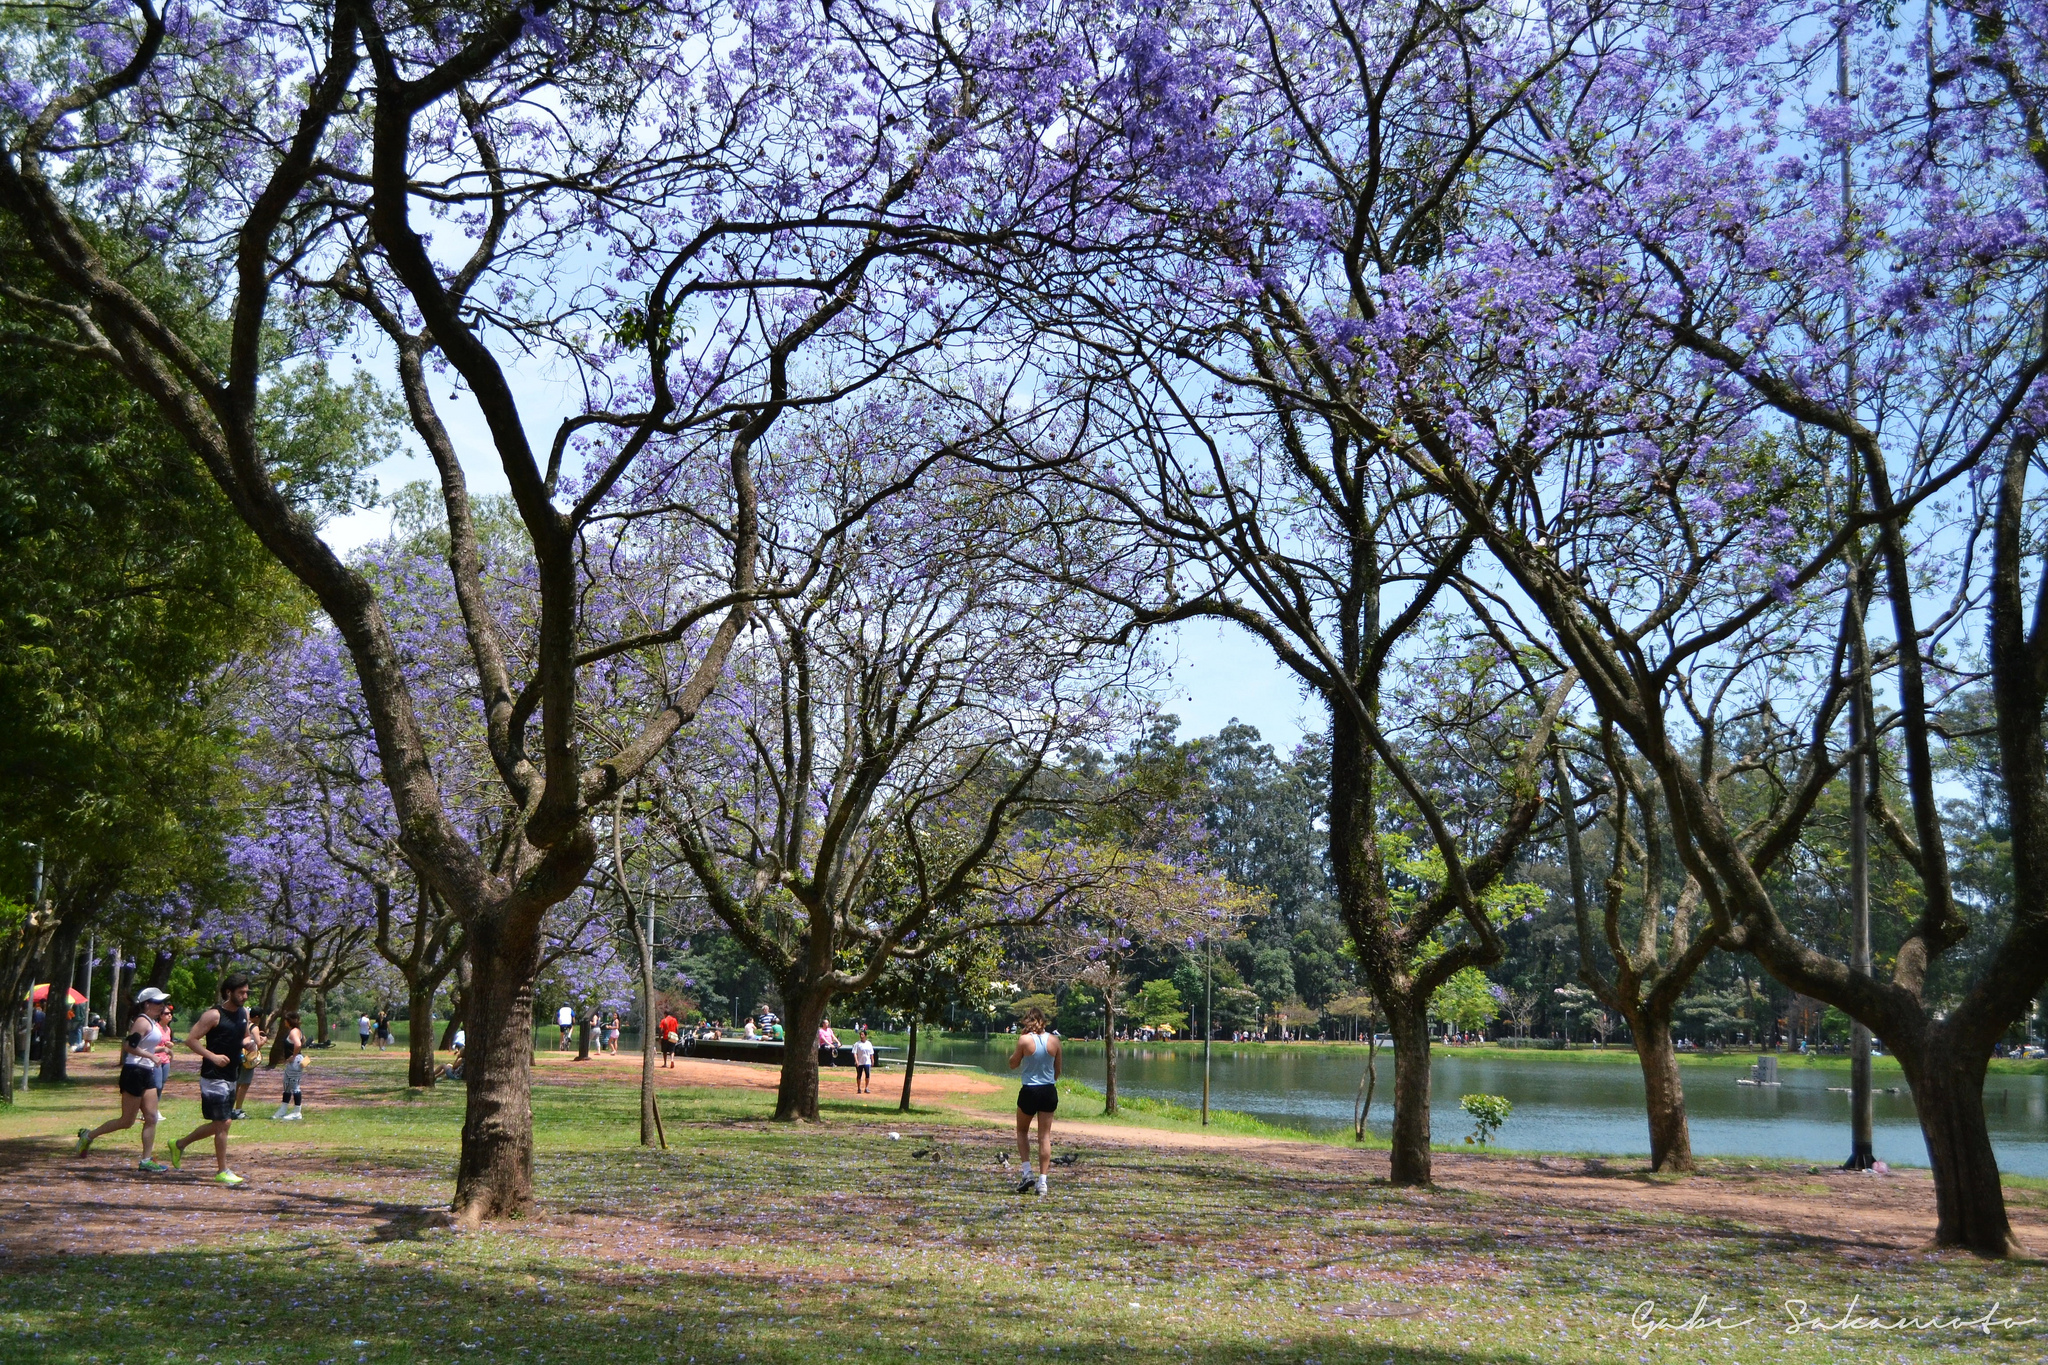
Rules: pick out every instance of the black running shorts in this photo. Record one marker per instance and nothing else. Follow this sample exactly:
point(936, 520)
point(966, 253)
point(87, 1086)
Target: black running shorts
point(138, 1080)
point(1038, 1099)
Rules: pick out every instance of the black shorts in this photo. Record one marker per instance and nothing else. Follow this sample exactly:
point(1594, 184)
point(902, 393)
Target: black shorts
point(1038, 1099)
point(863, 1069)
point(138, 1080)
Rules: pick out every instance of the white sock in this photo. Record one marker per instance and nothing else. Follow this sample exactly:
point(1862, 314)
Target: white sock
point(1041, 1184)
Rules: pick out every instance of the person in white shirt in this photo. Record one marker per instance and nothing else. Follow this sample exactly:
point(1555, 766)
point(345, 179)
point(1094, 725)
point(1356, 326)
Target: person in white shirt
point(863, 1063)
point(565, 1019)
point(363, 1027)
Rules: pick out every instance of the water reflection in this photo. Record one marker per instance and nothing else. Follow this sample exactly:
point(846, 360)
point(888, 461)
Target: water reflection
point(1561, 1106)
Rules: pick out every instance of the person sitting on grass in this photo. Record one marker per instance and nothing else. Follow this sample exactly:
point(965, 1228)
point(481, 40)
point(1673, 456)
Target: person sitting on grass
point(141, 1091)
point(217, 1037)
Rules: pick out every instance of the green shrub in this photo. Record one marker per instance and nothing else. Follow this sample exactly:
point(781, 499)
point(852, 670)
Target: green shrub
point(1488, 1113)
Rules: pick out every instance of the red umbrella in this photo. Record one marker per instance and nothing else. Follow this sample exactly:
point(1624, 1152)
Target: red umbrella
point(42, 993)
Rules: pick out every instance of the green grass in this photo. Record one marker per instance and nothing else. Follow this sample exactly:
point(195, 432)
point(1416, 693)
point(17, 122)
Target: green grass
point(748, 1243)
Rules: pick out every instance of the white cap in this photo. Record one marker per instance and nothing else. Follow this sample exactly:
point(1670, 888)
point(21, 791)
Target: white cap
point(149, 995)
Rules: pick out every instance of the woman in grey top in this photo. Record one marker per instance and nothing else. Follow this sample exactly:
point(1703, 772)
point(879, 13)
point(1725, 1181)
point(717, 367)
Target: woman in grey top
point(1038, 1053)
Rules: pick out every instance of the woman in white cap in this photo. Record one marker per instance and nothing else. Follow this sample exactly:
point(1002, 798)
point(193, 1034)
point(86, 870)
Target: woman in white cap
point(141, 1089)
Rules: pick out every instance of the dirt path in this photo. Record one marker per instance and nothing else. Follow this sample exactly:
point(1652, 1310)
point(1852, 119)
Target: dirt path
point(835, 1082)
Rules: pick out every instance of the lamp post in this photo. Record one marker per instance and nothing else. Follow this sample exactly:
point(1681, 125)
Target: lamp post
point(20, 1020)
point(1208, 1018)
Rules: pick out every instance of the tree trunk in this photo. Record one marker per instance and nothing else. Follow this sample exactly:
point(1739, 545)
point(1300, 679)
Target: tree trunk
point(419, 1034)
point(1108, 1052)
point(280, 1047)
point(494, 1176)
point(320, 1018)
point(1663, 1093)
point(649, 1131)
point(63, 961)
point(909, 1066)
point(1367, 1084)
point(796, 1097)
point(1410, 1027)
point(1969, 1201)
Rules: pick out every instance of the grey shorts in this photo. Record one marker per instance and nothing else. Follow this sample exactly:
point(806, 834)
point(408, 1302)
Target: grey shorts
point(216, 1100)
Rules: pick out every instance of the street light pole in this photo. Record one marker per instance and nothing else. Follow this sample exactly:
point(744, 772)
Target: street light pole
point(22, 1019)
point(1208, 1019)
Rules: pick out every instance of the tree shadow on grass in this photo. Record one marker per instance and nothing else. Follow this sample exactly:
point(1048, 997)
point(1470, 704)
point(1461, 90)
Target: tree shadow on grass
point(495, 1299)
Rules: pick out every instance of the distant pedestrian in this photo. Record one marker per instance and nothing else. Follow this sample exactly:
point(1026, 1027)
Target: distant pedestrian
point(670, 1038)
point(364, 1028)
point(1038, 1052)
point(565, 1019)
point(141, 1090)
point(828, 1044)
point(383, 1029)
point(863, 1063)
point(294, 1047)
point(217, 1036)
point(252, 1057)
point(611, 1034)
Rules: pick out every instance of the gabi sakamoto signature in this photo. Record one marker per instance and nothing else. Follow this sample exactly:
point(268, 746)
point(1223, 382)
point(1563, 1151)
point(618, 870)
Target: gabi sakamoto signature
point(1987, 1322)
point(1802, 1317)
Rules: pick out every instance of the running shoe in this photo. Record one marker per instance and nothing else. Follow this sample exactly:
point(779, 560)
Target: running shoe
point(148, 1167)
point(295, 1116)
point(84, 1141)
point(230, 1179)
point(236, 1114)
point(177, 1156)
point(1027, 1184)
point(283, 1111)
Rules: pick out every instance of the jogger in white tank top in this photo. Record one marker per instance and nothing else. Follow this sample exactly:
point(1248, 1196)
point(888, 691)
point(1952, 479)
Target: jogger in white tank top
point(146, 1039)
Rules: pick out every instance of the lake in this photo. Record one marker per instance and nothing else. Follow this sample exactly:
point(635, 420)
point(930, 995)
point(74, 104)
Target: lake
point(1560, 1106)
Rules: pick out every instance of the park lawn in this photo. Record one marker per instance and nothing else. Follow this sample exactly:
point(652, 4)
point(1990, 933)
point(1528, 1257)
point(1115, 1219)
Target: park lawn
point(748, 1242)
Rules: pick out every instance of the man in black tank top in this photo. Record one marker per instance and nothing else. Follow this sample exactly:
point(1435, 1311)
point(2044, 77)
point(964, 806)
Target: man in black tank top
point(217, 1036)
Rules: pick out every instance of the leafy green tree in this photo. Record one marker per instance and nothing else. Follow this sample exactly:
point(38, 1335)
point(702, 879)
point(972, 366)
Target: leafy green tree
point(925, 989)
point(1232, 1005)
point(1079, 1011)
point(1158, 1005)
point(132, 590)
point(1466, 1001)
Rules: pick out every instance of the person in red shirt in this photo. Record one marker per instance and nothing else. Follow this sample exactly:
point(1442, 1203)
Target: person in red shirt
point(670, 1033)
